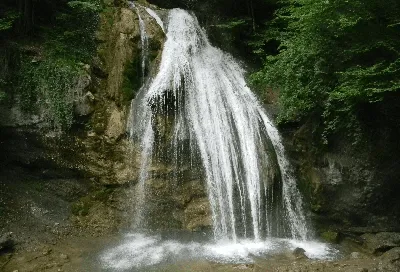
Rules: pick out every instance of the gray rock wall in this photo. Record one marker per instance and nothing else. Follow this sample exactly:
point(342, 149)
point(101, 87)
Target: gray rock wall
point(82, 182)
point(349, 188)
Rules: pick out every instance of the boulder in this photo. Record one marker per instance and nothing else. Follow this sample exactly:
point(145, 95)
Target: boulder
point(392, 255)
point(380, 242)
point(299, 253)
point(356, 255)
point(116, 125)
point(83, 106)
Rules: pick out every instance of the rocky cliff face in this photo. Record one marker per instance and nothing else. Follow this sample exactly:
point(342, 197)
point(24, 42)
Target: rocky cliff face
point(352, 188)
point(82, 181)
point(54, 183)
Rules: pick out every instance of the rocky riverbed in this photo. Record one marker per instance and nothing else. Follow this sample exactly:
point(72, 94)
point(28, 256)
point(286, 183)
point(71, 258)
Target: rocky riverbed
point(81, 254)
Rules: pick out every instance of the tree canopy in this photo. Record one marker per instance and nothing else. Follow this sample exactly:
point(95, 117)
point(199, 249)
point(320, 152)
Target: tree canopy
point(333, 56)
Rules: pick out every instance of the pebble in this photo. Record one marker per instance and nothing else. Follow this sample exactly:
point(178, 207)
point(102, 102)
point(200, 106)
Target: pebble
point(50, 265)
point(64, 256)
point(355, 255)
point(243, 266)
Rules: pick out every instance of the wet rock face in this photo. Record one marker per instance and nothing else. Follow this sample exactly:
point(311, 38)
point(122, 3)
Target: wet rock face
point(80, 182)
point(392, 256)
point(349, 188)
point(118, 49)
point(176, 200)
point(51, 181)
point(380, 242)
point(197, 215)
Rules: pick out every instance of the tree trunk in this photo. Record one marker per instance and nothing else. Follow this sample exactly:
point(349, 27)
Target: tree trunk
point(252, 15)
point(26, 22)
point(250, 10)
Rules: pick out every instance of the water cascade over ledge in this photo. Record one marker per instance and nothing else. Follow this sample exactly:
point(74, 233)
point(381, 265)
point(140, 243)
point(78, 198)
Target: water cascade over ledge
point(204, 91)
point(144, 40)
point(198, 113)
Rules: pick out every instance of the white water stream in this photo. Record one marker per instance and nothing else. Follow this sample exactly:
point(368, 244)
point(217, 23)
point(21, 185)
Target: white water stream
point(251, 188)
point(138, 252)
point(144, 39)
point(153, 14)
point(225, 123)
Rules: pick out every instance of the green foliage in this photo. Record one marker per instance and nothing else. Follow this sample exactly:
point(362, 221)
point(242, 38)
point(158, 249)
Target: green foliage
point(333, 56)
point(108, 13)
point(234, 23)
point(49, 78)
point(74, 33)
point(50, 82)
point(85, 7)
point(7, 20)
point(2, 95)
point(330, 236)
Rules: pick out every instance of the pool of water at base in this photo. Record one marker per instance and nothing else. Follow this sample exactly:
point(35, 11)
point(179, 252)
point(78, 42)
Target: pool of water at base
point(149, 252)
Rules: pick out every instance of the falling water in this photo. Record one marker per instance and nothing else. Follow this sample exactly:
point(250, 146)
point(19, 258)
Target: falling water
point(144, 39)
point(250, 185)
point(153, 14)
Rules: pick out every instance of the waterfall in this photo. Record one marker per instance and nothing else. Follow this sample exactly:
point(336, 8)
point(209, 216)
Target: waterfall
point(198, 111)
point(144, 39)
point(251, 188)
point(153, 14)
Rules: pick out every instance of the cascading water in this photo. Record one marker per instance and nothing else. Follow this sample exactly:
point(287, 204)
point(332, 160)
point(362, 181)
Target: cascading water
point(201, 96)
point(144, 39)
point(156, 17)
point(215, 110)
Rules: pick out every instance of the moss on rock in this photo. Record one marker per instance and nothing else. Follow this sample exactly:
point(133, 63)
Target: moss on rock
point(330, 236)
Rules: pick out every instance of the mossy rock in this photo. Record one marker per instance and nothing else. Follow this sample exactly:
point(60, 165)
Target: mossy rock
point(132, 79)
point(83, 205)
point(330, 236)
point(102, 195)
